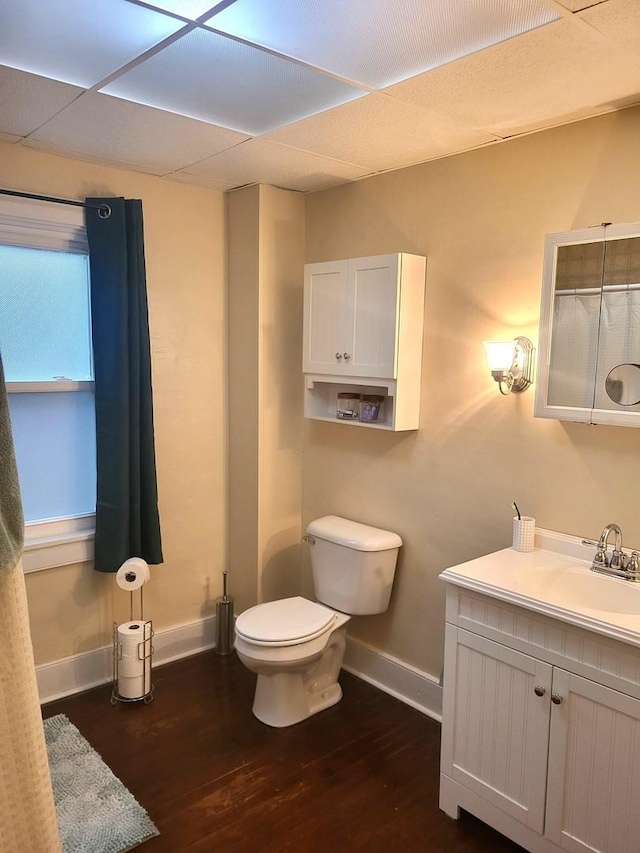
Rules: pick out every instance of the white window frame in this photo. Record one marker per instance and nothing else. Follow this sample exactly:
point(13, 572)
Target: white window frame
point(37, 225)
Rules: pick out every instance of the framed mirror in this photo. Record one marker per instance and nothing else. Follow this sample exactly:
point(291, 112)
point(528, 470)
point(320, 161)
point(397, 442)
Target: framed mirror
point(589, 347)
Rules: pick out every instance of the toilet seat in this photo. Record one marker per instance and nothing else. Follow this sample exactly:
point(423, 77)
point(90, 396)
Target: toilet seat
point(285, 622)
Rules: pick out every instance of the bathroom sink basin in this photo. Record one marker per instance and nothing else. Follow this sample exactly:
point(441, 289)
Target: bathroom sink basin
point(578, 586)
point(554, 579)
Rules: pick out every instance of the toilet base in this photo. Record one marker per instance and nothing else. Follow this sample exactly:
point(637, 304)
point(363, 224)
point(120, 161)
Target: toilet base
point(285, 698)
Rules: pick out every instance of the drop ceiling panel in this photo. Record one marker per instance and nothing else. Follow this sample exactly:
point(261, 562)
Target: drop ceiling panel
point(552, 75)
point(618, 20)
point(75, 41)
point(261, 161)
point(380, 132)
point(577, 5)
point(379, 42)
point(200, 181)
point(158, 141)
point(27, 101)
point(217, 79)
point(190, 9)
point(9, 137)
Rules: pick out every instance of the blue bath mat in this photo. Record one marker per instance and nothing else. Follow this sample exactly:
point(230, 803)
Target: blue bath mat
point(96, 813)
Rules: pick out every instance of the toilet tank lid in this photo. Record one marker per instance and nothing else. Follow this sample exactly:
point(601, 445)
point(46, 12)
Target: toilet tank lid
point(352, 534)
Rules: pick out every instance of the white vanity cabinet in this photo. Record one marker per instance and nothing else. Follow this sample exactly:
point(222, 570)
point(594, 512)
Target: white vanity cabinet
point(363, 326)
point(541, 728)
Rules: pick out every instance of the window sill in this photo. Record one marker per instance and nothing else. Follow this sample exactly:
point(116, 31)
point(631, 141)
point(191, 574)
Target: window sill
point(58, 542)
point(47, 387)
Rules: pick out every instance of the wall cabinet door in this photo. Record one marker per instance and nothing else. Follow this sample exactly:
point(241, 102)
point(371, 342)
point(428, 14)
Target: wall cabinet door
point(325, 286)
point(589, 347)
point(495, 726)
point(351, 317)
point(594, 768)
point(371, 317)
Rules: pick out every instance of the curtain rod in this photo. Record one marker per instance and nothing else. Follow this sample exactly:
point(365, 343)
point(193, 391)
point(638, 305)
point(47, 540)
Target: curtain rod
point(104, 211)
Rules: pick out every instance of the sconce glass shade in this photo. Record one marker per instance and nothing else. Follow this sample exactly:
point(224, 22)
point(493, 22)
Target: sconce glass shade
point(511, 363)
point(500, 354)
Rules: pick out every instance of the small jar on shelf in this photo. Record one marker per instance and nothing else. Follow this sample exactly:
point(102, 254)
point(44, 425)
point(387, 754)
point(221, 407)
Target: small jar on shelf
point(348, 408)
point(371, 408)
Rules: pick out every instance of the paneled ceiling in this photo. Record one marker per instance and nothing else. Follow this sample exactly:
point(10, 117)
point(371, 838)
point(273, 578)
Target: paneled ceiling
point(304, 94)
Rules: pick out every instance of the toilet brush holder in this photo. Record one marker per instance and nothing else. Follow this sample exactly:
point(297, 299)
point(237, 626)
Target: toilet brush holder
point(224, 621)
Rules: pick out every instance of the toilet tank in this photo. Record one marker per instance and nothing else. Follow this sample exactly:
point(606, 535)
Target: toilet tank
point(353, 564)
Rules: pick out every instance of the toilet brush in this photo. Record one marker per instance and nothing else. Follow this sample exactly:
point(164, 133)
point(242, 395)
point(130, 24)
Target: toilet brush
point(224, 620)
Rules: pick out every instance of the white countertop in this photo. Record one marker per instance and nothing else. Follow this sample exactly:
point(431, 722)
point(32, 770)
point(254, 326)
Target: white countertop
point(556, 579)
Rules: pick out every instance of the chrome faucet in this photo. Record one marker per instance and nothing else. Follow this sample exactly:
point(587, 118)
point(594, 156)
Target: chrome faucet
point(618, 559)
point(619, 564)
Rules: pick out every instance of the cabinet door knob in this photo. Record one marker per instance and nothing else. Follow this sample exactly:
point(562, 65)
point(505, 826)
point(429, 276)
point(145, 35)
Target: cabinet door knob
point(347, 356)
point(539, 691)
point(338, 355)
point(556, 698)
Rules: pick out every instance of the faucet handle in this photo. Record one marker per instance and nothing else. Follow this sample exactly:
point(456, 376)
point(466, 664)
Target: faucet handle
point(634, 562)
point(600, 557)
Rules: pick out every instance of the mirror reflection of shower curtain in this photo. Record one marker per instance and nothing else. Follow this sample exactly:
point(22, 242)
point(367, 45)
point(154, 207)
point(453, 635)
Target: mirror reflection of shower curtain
point(619, 341)
point(574, 348)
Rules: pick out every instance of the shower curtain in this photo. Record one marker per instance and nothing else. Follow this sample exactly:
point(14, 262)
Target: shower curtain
point(27, 813)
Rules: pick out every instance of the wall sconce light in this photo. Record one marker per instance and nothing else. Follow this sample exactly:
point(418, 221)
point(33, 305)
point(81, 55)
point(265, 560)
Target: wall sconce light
point(511, 363)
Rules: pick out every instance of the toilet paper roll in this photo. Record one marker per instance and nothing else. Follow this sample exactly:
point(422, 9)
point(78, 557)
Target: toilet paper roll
point(134, 651)
point(132, 574)
point(134, 687)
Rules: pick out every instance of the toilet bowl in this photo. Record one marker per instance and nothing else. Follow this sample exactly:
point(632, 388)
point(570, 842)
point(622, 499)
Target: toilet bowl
point(296, 648)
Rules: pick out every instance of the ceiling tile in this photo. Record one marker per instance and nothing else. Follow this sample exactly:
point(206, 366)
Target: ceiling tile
point(9, 137)
point(190, 9)
point(78, 42)
point(380, 132)
point(27, 101)
point(577, 5)
point(379, 42)
point(548, 76)
point(618, 20)
point(102, 126)
point(259, 161)
point(200, 181)
point(217, 79)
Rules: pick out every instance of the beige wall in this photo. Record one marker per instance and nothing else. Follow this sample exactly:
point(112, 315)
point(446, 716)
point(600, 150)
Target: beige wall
point(72, 608)
point(266, 259)
point(480, 218)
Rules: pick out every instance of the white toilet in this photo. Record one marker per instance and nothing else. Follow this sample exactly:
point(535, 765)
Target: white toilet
point(295, 645)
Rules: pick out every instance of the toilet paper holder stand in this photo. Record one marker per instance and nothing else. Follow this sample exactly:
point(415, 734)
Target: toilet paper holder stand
point(145, 654)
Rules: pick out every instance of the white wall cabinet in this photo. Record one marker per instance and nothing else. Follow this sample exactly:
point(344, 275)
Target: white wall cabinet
point(363, 326)
point(541, 731)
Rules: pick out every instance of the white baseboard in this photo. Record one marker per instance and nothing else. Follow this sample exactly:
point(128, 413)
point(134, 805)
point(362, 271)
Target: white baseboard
point(90, 669)
point(412, 686)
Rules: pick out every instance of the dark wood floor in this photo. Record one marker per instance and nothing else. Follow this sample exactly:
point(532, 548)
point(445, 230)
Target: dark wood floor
point(362, 775)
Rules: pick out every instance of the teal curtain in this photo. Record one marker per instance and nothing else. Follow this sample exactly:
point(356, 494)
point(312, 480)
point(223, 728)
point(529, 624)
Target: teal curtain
point(127, 518)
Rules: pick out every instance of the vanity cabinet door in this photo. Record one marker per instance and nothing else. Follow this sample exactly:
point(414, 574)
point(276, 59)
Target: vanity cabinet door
point(495, 724)
point(593, 792)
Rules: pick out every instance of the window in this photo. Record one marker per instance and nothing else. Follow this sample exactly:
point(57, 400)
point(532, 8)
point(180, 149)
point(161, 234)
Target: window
point(45, 340)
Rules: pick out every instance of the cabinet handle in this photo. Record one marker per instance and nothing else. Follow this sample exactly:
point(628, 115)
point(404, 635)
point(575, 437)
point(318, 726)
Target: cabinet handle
point(539, 691)
point(556, 698)
point(338, 355)
point(347, 356)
